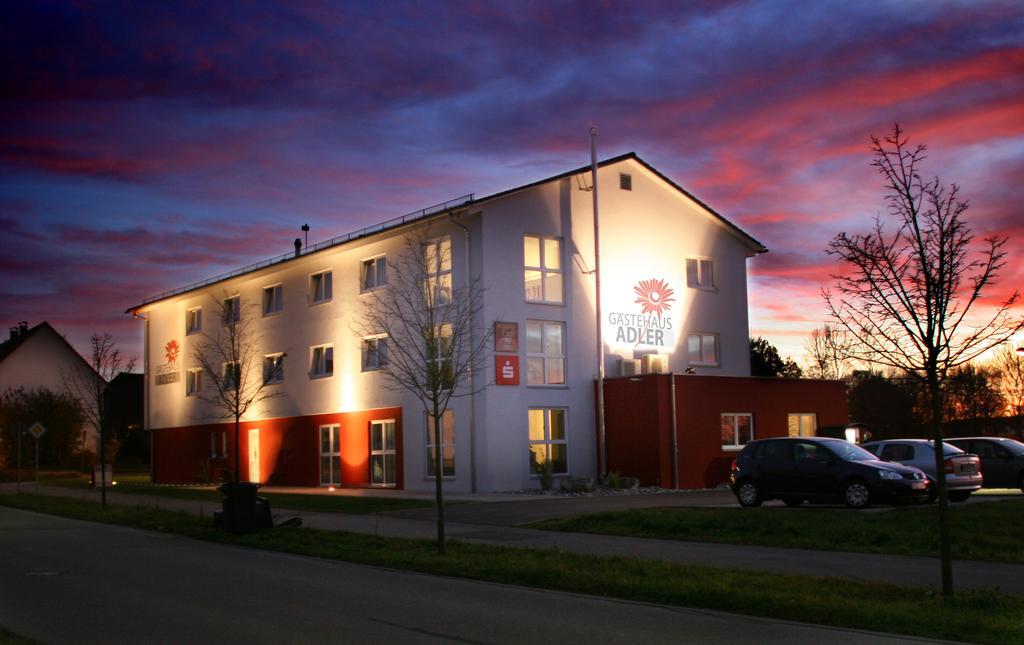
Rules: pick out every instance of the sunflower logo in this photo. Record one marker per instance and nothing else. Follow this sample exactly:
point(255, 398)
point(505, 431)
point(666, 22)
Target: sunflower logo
point(654, 296)
point(171, 351)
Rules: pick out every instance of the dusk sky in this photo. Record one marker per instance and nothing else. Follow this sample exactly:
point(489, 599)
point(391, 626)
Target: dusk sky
point(147, 145)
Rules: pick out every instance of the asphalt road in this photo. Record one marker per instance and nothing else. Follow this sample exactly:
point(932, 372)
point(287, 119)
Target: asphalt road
point(64, 581)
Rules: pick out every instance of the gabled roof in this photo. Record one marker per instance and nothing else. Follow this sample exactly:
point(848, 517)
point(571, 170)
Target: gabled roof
point(467, 201)
point(10, 346)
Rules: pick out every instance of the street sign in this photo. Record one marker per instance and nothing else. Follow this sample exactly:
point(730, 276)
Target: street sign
point(37, 430)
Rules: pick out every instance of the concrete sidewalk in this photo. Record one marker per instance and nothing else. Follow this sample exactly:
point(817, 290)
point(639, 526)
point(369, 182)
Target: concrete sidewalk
point(902, 570)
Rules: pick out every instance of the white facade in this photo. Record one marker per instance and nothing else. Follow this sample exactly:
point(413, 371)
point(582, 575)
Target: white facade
point(648, 232)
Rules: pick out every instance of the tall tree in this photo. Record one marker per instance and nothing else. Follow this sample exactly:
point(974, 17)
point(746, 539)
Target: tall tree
point(972, 392)
point(425, 336)
point(907, 291)
point(826, 351)
point(1009, 368)
point(232, 362)
point(766, 361)
point(61, 414)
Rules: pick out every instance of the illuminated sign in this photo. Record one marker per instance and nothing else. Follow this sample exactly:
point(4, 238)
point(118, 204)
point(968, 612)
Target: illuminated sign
point(169, 372)
point(506, 370)
point(651, 326)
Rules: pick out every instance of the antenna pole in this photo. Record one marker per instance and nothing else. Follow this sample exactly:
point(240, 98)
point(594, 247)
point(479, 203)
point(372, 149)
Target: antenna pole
point(602, 458)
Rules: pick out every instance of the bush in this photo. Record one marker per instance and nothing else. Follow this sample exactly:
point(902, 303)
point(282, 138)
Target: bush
point(60, 413)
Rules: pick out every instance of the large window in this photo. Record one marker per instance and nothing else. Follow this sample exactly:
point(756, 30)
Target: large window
point(545, 353)
point(232, 375)
point(273, 368)
point(548, 443)
point(193, 381)
point(232, 312)
point(447, 445)
point(439, 356)
point(702, 349)
point(802, 425)
point(737, 430)
point(373, 274)
point(320, 287)
point(382, 453)
point(330, 455)
point(321, 362)
point(542, 269)
point(438, 265)
point(194, 320)
point(374, 352)
point(273, 299)
point(700, 273)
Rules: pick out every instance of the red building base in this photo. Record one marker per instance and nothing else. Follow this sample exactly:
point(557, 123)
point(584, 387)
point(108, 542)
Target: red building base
point(639, 421)
point(289, 451)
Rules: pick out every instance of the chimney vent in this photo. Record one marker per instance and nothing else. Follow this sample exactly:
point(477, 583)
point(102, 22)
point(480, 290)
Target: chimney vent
point(298, 246)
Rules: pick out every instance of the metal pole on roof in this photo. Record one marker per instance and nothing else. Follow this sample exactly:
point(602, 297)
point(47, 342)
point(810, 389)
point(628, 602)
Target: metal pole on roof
point(602, 457)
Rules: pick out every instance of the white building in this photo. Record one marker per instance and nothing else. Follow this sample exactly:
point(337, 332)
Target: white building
point(673, 283)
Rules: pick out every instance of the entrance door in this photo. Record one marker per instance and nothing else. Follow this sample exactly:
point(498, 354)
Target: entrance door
point(382, 453)
point(254, 455)
point(330, 455)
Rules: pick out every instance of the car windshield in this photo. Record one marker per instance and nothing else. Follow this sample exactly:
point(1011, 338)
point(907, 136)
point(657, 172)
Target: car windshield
point(850, 452)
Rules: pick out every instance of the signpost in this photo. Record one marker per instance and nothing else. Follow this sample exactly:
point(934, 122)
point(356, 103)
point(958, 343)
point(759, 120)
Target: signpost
point(37, 430)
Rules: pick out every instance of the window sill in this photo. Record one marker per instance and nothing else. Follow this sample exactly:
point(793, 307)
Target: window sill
point(370, 370)
point(545, 302)
point(705, 365)
point(321, 302)
point(546, 386)
point(277, 382)
point(315, 377)
point(700, 288)
point(271, 314)
point(364, 292)
point(193, 332)
point(733, 448)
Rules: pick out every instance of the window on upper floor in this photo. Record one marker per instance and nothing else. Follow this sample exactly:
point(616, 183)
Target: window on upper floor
point(439, 348)
point(700, 273)
point(193, 381)
point(231, 375)
point(321, 287)
point(273, 299)
point(702, 349)
point(545, 353)
point(542, 269)
point(273, 368)
point(232, 310)
point(625, 181)
point(373, 274)
point(437, 257)
point(194, 320)
point(374, 352)
point(321, 361)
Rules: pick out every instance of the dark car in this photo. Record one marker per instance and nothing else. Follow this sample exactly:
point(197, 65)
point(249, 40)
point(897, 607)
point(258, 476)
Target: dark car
point(1002, 460)
point(819, 469)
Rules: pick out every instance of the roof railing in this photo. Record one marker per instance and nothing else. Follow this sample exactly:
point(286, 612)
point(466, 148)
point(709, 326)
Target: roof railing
point(326, 244)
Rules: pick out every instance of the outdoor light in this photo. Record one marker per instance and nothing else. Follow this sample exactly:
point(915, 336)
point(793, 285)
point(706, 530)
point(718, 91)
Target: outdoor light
point(330, 489)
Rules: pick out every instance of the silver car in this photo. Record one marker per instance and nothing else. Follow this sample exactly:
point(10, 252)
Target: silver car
point(963, 471)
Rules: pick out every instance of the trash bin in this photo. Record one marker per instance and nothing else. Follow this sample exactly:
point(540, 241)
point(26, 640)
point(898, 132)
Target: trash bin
point(243, 511)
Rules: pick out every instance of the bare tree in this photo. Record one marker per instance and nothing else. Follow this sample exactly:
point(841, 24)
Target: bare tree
point(1009, 368)
point(88, 386)
point(231, 360)
point(825, 352)
point(421, 331)
point(905, 299)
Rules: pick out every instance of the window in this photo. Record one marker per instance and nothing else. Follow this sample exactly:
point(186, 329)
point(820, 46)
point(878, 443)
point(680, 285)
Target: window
point(737, 430)
point(232, 375)
point(802, 425)
point(223, 445)
point(321, 361)
point(375, 352)
point(273, 299)
point(545, 353)
point(897, 452)
point(330, 455)
point(548, 445)
point(542, 269)
point(382, 453)
point(193, 381)
point(213, 445)
point(702, 349)
point(273, 368)
point(439, 356)
point(625, 181)
point(232, 310)
point(320, 287)
point(447, 445)
point(700, 273)
point(438, 265)
point(374, 274)
point(194, 320)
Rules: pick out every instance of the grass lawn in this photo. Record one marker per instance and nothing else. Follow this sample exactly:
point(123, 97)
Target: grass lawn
point(983, 531)
point(139, 485)
point(979, 616)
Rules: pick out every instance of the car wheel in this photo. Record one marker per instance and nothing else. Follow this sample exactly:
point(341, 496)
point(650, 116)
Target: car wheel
point(856, 494)
point(792, 502)
point(959, 495)
point(748, 494)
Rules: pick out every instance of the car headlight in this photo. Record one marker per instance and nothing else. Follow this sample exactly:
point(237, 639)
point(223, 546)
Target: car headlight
point(888, 474)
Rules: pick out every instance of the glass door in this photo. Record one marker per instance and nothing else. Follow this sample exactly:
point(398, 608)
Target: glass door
point(382, 453)
point(330, 455)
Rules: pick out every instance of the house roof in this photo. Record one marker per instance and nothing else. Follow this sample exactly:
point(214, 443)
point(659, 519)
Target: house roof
point(8, 347)
point(444, 208)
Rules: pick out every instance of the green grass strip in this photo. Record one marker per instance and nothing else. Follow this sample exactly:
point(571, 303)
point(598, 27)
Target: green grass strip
point(984, 616)
point(982, 531)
